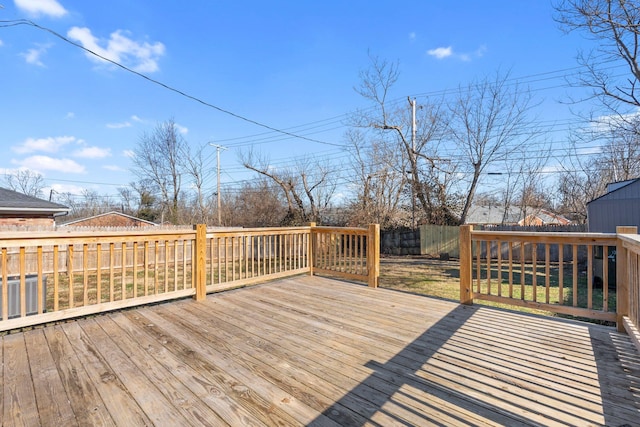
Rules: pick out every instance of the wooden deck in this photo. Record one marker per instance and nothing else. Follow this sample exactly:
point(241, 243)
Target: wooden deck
point(319, 352)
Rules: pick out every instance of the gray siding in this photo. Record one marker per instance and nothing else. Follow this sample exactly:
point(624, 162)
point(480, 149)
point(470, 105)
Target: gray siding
point(617, 208)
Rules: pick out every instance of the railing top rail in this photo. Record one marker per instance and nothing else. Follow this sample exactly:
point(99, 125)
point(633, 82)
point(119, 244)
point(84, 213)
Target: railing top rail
point(342, 230)
point(631, 241)
point(49, 239)
point(257, 231)
point(546, 237)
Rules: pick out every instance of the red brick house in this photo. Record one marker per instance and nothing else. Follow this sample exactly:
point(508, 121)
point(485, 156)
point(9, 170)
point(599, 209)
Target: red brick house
point(17, 209)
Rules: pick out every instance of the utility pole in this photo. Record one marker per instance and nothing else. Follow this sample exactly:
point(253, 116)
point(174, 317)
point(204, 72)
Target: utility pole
point(413, 161)
point(218, 148)
point(413, 125)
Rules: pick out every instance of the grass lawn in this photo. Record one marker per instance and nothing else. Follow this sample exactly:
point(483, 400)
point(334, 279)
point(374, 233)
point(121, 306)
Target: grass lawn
point(441, 279)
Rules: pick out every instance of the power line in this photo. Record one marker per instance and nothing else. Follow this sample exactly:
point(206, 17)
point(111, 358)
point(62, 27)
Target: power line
point(163, 85)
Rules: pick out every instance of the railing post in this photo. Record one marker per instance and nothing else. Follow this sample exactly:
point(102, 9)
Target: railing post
point(622, 277)
point(311, 248)
point(466, 265)
point(373, 254)
point(200, 262)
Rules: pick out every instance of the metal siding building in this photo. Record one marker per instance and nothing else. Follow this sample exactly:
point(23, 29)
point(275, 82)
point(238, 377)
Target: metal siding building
point(619, 207)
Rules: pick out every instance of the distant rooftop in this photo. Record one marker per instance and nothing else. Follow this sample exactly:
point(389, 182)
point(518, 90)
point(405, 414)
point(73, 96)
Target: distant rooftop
point(12, 201)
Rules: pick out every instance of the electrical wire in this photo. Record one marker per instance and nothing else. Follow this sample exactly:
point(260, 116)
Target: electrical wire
point(161, 84)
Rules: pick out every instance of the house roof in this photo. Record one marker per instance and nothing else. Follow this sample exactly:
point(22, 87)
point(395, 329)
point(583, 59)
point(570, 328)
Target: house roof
point(617, 190)
point(15, 203)
point(492, 214)
point(547, 218)
point(107, 214)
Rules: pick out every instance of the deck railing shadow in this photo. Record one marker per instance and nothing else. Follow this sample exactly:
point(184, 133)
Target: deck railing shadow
point(465, 372)
point(625, 354)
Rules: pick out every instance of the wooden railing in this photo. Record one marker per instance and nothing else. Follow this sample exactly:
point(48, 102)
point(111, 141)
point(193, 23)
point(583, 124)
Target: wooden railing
point(51, 276)
point(629, 283)
point(351, 253)
point(591, 275)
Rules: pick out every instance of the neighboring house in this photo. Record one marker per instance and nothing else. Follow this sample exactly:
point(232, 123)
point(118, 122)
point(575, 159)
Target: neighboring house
point(497, 215)
point(619, 206)
point(110, 219)
point(541, 217)
point(17, 209)
point(492, 215)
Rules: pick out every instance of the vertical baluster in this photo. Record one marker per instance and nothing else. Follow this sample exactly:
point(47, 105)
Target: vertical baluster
point(547, 272)
point(510, 249)
point(574, 261)
point(123, 267)
point(98, 273)
point(56, 279)
point(85, 275)
point(560, 273)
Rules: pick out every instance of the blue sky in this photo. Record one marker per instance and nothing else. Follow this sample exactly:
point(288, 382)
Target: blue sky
point(287, 64)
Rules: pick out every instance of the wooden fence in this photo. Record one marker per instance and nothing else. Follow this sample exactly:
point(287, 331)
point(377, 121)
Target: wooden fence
point(51, 276)
point(492, 270)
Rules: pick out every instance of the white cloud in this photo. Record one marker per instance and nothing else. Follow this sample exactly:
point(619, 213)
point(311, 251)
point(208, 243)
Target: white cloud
point(47, 145)
point(588, 151)
point(1, 43)
point(114, 168)
point(129, 153)
point(183, 130)
point(412, 35)
point(126, 123)
point(41, 7)
point(70, 115)
point(33, 55)
point(140, 56)
point(441, 52)
point(448, 52)
point(51, 164)
point(92, 153)
point(119, 125)
point(481, 51)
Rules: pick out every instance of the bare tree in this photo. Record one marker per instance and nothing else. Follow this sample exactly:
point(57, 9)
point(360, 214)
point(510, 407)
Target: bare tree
point(523, 182)
point(603, 153)
point(25, 181)
point(256, 204)
point(307, 187)
point(490, 120)
point(127, 200)
point(429, 175)
point(614, 26)
point(197, 173)
point(620, 157)
point(579, 183)
point(159, 163)
point(147, 208)
point(378, 183)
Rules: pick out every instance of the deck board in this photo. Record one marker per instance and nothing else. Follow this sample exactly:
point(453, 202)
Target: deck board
point(319, 352)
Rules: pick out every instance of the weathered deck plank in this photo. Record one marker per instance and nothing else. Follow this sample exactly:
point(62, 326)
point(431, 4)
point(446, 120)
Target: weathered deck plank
point(319, 352)
point(53, 406)
point(19, 398)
